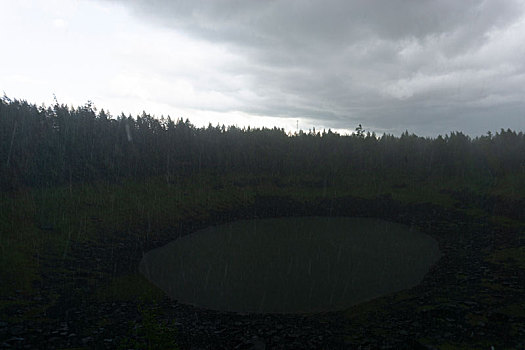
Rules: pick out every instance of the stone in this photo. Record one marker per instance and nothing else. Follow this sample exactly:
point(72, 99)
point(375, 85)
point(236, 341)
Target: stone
point(16, 330)
point(257, 342)
point(12, 339)
point(86, 340)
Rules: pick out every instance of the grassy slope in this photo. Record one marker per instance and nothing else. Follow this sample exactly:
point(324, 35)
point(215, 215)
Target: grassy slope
point(36, 223)
point(39, 223)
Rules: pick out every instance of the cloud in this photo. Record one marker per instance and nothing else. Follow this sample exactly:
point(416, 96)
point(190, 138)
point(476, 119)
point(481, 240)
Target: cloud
point(423, 65)
point(59, 23)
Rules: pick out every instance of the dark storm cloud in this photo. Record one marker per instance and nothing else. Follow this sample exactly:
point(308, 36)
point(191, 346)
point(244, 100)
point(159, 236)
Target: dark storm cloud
point(427, 66)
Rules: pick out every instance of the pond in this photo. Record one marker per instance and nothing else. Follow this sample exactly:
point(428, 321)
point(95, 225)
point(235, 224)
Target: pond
point(291, 265)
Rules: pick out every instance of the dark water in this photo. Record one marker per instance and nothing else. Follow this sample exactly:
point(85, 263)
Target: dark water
point(291, 265)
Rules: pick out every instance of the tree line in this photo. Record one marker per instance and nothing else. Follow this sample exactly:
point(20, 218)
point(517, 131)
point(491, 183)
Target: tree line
point(55, 145)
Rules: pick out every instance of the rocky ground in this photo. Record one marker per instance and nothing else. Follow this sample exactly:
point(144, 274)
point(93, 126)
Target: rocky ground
point(467, 300)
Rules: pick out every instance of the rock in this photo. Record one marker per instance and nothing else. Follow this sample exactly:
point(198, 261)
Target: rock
point(16, 330)
point(86, 340)
point(12, 339)
point(257, 343)
point(470, 303)
point(219, 331)
point(203, 329)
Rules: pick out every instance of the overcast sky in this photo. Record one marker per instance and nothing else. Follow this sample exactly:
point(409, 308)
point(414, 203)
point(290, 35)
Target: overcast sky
point(427, 66)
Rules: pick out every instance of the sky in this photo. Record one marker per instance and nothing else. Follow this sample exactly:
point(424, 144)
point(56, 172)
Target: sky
point(427, 66)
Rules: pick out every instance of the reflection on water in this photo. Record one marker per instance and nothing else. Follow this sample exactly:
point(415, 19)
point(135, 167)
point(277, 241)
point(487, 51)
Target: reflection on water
point(291, 265)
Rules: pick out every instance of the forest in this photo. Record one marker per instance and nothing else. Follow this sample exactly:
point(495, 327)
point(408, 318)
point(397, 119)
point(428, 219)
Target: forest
point(84, 194)
point(56, 145)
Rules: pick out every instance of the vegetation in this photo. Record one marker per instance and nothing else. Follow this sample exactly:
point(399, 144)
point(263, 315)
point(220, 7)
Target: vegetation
point(59, 145)
point(151, 334)
point(79, 175)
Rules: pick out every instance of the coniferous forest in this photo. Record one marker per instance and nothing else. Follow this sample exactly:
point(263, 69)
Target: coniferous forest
point(84, 194)
point(57, 145)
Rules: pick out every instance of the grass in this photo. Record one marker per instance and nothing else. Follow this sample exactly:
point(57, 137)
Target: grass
point(458, 346)
point(513, 310)
point(131, 287)
point(507, 222)
point(20, 245)
point(363, 310)
point(510, 186)
point(494, 286)
point(41, 224)
point(38, 224)
point(151, 333)
point(476, 320)
point(509, 256)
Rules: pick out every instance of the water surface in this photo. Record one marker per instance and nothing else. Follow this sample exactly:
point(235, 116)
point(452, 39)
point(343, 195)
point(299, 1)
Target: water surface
point(291, 265)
